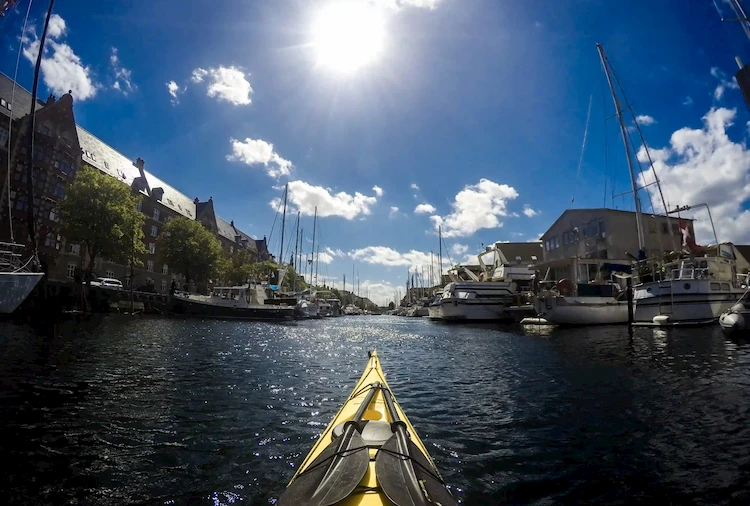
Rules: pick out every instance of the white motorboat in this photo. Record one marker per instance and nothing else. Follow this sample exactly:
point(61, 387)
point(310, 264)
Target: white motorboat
point(16, 281)
point(590, 304)
point(692, 290)
point(231, 302)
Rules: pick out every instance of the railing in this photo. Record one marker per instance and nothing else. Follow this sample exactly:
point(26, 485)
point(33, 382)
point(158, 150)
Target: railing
point(690, 273)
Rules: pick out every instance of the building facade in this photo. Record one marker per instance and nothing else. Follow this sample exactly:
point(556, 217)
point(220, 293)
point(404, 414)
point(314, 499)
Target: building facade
point(61, 148)
point(604, 238)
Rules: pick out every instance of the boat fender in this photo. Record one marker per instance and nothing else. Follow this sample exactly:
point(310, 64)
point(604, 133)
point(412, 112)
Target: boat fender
point(737, 308)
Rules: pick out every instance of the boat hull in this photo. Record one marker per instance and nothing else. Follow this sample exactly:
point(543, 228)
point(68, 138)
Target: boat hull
point(690, 301)
point(186, 307)
point(434, 312)
point(15, 287)
point(369, 491)
point(582, 310)
point(463, 310)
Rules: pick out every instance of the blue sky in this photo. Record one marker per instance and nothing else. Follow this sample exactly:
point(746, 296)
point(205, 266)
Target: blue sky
point(474, 108)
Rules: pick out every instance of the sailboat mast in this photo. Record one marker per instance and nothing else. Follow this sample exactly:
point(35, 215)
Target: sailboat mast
point(30, 139)
point(628, 155)
point(283, 225)
point(296, 250)
point(440, 256)
point(315, 223)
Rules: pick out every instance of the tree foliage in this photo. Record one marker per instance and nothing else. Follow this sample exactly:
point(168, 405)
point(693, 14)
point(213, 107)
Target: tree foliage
point(191, 250)
point(237, 268)
point(391, 305)
point(100, 214)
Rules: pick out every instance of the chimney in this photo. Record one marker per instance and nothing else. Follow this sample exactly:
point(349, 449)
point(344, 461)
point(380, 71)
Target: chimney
point(210, 199)
point(196, 201)
point(139, 163)
point(232, 223)
point(50, 100)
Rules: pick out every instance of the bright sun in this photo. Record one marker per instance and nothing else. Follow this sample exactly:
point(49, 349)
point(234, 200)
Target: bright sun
point(348, 35)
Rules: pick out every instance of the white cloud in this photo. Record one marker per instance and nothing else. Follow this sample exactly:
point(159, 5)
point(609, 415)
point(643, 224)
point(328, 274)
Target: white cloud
point(529, 212)
point(305, 197)
point(644, 120)
point(381, 293)
point(688, 101)
point(378, 191)
point(394, 211)
point(705, 166)
point(122, 75)
point(225, 83)
point(724, 83)
point(424, 209)
point(398, 4)
point(414, 186)
point(57, 27)
point(257, 152)
point(198, 75)
point(459, 249)
point(475, 207)
point(389, 257)
point(175, 91)
point(324, 257)
point(63, 70)
point(335, 252)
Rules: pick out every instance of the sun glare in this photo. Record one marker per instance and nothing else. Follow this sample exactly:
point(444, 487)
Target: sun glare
point(348, 35)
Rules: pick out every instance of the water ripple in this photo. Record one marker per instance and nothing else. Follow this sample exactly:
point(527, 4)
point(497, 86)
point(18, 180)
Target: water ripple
point(152, 411)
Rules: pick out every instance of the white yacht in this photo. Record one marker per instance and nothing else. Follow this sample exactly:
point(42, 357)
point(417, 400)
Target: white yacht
point(16, 281)
point(488, 295)
point(596, 303)
point(692, 290)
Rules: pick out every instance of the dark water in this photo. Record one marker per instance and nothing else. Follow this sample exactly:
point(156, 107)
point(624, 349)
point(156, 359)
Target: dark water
point(151, 411)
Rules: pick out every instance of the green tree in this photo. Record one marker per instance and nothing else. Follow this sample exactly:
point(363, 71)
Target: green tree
point(293, 280)
point(190, 250)
point(391, 305)
point(100, 214)
point(237, 267)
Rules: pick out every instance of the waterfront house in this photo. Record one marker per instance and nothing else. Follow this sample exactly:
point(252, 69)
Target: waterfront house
point(603, 239)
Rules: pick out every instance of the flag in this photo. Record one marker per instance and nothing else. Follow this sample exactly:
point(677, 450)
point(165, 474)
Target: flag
point(688, 241)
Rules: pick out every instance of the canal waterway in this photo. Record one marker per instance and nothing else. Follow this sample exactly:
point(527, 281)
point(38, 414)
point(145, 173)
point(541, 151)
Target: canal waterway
point(160, 411)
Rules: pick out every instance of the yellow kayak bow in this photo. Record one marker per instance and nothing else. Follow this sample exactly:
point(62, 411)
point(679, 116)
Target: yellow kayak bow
point(369, 455)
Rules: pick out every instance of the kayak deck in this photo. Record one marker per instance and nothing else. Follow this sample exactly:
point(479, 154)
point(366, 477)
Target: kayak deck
point(376, 419)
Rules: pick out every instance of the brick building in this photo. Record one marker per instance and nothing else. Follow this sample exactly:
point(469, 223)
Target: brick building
point(61, 148)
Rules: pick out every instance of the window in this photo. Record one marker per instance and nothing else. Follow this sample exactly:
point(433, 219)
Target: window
point(533, 257)
point(156, 214)
point(675, 228)
point(150, 266)
point(154, 231)
point(66, 166)
point(71, 271)
point(59, 192)
point(518, 259)
point(651, 227)
point(231, 249)
point(3, 136)
point(164, 269)
point(665, 228)
point(139, 206)
point(151, 248)
point(45, 130)
point(110, 274)
point(3, 102)
point(52, 240)
point(163, 285)
point(602, 229)
point(74, 249)
point(53, 216)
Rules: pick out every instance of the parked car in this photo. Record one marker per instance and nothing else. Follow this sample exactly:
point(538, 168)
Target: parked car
point(114, 284)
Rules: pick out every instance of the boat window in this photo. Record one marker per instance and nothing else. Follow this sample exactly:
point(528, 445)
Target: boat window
point(715, 286)
point(725, 286)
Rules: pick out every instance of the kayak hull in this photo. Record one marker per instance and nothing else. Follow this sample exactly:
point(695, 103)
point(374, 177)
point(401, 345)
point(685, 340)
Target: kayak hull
point(368, 492)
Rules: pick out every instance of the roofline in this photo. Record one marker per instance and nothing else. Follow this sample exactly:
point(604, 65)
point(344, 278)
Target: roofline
point(606, 209)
